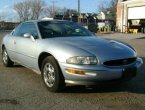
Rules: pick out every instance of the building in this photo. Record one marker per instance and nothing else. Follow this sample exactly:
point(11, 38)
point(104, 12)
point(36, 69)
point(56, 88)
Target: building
point(130, 15)
point(8, 25)
point(101, 16)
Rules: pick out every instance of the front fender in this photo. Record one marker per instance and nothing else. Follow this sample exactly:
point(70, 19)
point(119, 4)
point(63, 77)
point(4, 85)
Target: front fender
point(62, 51)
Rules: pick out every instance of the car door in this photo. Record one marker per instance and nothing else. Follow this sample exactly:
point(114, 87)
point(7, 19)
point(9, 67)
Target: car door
point(26, 48)
point(11, 44)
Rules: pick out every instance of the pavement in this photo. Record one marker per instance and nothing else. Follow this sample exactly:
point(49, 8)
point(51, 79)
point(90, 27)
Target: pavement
point(23, 89)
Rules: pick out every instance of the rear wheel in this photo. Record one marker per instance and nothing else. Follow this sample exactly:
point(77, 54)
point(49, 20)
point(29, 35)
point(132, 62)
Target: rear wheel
point(6, 60)
point(52, 75)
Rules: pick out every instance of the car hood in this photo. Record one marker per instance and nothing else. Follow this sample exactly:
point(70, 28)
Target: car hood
point(103, 49)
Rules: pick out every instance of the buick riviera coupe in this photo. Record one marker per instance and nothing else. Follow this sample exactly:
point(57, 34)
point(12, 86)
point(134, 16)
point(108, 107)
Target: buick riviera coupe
point(65, 52)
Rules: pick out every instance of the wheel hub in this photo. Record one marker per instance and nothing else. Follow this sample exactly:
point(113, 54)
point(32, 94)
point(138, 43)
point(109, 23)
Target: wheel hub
point(5, 57)
point(49, 75)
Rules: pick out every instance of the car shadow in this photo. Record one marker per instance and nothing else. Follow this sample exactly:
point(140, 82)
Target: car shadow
point(18, 66)
point(136, 85)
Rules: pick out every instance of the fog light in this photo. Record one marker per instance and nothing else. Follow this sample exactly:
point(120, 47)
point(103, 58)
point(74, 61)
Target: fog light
point(79, 72)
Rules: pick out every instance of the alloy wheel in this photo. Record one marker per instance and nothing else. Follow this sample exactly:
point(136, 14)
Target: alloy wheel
point(49, 75)
point(5, 57)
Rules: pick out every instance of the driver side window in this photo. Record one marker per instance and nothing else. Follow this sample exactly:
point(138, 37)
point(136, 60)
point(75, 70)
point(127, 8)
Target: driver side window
point(16, 31)
point(28, 28)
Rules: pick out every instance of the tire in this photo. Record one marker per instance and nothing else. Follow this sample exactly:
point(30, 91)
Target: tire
point(6, 60)
point(52, 75)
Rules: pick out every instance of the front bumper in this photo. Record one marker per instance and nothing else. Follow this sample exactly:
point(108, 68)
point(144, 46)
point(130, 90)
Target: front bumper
point(98, 73)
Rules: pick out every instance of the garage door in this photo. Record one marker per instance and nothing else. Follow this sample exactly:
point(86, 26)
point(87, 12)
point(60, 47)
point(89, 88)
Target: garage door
point(136, 13)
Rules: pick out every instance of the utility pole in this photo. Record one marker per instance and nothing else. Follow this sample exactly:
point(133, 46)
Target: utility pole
point(78, 11)
point(53, 7)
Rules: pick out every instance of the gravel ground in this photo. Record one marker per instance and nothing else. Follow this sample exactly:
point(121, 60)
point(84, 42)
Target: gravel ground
point(22, 89)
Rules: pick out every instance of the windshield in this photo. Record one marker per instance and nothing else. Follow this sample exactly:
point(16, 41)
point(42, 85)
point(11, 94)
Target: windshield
point(50, 29)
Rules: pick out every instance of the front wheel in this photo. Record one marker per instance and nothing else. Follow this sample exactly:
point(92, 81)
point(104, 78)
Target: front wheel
point(6, 60)
point(52, 75)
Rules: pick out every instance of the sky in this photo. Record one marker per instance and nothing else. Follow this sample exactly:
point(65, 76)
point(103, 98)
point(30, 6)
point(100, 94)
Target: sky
point(7, 12)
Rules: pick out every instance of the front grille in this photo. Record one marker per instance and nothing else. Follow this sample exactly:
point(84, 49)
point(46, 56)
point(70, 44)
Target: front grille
point(120, 62)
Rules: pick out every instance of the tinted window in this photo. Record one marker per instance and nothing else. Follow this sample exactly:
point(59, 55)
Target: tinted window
point(28, 28)
point(16, 31)
point(50, 29)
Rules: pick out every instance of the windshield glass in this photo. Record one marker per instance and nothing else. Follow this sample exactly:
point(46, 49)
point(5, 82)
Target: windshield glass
point(50, 29)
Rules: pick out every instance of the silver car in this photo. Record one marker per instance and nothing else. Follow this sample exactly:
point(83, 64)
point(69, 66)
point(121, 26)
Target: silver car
point(65, 52)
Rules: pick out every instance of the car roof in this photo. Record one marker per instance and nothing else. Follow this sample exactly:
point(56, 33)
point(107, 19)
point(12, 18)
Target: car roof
point(36, 21)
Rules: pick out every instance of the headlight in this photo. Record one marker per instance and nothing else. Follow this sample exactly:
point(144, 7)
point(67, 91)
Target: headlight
point(82, 60)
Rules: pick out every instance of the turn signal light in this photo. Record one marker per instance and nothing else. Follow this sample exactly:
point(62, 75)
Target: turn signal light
point(79, 72)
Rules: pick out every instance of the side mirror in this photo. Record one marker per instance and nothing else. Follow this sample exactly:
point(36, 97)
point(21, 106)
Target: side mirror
point(28, 35)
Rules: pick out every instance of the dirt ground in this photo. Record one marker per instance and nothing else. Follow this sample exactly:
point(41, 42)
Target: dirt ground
point(22, 89)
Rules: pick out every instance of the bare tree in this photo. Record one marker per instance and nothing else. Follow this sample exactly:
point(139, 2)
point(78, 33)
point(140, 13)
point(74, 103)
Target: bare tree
point(103, 5)
point(108, 6)
point(23, 10)
point(29, 9)
point(113, 8)
point(51, 11)
point(36, 8)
